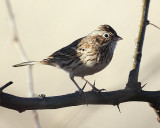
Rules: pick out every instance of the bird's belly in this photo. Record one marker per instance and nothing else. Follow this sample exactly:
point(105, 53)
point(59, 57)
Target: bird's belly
point(92, 66)
point(85, 70)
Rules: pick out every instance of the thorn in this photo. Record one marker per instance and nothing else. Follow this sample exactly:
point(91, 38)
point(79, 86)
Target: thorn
point(153, 25)
point(6, 85)
point(144, 85)
point(118, 108)
point(84, 86)
point(94, 84)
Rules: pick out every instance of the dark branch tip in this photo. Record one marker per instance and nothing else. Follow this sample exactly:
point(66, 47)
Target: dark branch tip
point(5, 86)
point(94, 84)
point(119, 108)
point(116, 103)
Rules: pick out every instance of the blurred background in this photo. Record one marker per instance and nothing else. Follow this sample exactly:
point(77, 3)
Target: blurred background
point(46, 26)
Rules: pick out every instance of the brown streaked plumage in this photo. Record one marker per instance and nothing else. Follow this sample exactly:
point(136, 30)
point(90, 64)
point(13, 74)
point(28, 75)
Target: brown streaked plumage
point(85, 56)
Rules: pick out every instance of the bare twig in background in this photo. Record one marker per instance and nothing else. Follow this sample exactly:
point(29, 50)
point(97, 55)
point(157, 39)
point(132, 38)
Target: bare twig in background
point(16, 40)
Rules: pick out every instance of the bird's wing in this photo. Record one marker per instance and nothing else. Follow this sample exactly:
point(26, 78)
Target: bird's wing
point(68, 52)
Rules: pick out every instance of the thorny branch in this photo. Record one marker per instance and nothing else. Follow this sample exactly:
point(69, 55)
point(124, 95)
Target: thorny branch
point(132, 92)
point(24, 57)
point(134, 73)
point(109, 98)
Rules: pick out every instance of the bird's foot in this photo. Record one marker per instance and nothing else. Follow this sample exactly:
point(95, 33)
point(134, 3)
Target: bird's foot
point(42, 96)
point(94, 89)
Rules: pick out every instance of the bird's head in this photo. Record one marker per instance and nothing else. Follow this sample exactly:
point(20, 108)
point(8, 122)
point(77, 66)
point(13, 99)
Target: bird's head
point(104, 35)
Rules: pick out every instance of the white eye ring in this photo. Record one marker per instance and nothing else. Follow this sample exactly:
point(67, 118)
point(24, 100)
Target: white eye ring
point(106, 35)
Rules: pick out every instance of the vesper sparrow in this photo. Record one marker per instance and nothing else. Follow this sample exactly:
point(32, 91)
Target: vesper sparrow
point(85, 56)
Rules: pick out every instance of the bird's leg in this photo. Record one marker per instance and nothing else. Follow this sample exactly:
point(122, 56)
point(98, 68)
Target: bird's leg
point(88, 82)
point(93, 86)
point(79, 89)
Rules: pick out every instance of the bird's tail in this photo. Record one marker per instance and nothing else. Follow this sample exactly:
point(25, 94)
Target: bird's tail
point(25, 63)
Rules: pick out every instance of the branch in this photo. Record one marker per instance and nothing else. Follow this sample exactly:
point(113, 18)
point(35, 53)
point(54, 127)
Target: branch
point(23, 55)
point(133, 76)
point(108, 98)
point(134, 73)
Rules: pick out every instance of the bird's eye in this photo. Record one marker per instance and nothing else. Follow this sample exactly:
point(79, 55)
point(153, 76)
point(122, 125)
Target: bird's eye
point(106, 35)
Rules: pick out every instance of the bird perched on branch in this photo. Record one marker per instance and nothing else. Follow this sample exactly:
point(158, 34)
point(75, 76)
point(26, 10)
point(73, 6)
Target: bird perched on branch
point(85, 56)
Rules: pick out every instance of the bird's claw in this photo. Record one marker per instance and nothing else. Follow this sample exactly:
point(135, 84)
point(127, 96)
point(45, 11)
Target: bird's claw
point(94, 89)
point(41, 96)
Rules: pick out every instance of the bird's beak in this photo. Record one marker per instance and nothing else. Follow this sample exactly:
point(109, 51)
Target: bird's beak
point(117, 38)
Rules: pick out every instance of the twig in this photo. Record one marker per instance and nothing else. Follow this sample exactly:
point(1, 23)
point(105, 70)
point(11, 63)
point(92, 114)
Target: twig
point(6, 85)
point(23, 56)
